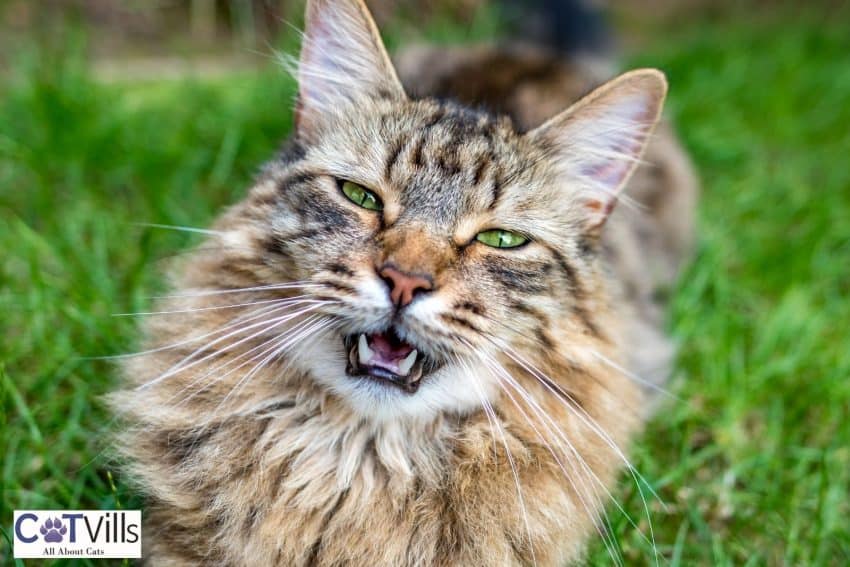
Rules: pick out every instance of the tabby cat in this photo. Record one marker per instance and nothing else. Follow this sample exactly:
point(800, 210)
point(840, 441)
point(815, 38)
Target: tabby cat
point(425, 337)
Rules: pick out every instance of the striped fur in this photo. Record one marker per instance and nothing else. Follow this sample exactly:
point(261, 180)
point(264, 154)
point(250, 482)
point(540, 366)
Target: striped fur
point(249, 441)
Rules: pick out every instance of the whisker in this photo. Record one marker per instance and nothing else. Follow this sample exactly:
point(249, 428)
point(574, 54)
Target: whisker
point(553, 387)
point(320, 323)
point(585, 418)
point(590, 422)
point(205, 293)
point(490, 338)
point(488, 408)
point(264, 347)
point(509, 455)
point(283, 300)
point(202, 249)
point(244, 318)
point(580, 412)
point(181, 228)
point(635, 377)
point(584, 495)
point(180, 366)
point(267, 355)
point(526, 396)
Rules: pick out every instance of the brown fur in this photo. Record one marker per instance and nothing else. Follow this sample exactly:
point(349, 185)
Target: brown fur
point(283, 466)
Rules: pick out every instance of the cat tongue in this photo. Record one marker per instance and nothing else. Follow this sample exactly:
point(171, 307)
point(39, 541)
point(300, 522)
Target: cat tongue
point(386, 357)
point(386, 349)
point(386, 352)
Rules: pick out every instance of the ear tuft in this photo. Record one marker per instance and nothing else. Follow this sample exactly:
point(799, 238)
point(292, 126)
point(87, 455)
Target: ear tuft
point(343, 60)
point(598, 141)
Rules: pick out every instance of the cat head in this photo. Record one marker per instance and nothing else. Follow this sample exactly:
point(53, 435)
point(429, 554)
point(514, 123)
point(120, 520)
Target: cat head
point(440, 238)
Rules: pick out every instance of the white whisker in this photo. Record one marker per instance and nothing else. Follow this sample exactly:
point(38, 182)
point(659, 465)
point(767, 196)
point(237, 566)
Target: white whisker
point(270, 287)
point(521, 501)
point(580, 412)
point(488, 408)
point(633, 376)
point(181, 228)
point(244, 318)
point(317, 325)
point(534, 406)
point(591, 423)
point(264, 347)
point(182, 365)
point(281, 301)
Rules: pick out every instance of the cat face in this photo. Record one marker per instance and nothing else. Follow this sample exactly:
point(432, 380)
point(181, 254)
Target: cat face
point(449, 255)
point(440, 239)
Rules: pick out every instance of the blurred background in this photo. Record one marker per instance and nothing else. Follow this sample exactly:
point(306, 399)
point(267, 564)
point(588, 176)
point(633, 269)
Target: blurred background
point(118, 115)
point(127, 38)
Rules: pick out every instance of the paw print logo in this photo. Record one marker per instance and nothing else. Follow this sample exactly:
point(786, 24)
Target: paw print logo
point(53, 530)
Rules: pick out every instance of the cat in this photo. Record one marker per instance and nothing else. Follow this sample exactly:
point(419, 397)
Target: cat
point(426, 336)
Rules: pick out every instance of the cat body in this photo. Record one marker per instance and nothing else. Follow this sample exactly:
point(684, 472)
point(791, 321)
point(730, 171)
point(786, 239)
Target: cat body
point(423, 338)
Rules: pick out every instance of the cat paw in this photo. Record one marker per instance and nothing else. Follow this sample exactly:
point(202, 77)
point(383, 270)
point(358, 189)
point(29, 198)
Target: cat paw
point(53, 530)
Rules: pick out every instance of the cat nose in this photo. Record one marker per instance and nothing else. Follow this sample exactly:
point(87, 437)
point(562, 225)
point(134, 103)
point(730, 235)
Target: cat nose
point(404, 286)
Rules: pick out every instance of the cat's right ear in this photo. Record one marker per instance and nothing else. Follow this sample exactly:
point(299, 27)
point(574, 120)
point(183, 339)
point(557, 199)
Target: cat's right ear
point(598, 141)
point(343, 61)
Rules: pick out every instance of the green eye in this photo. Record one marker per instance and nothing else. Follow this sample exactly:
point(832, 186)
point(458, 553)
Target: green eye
point(501, 238)
point(360, 196)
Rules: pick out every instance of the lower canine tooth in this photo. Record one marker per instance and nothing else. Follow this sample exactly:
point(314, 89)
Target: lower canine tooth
point(405, 365)
point(364, 353)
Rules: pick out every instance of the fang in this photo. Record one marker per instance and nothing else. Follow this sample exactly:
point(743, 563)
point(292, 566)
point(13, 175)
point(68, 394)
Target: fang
point(364, 353)
point(405, 365)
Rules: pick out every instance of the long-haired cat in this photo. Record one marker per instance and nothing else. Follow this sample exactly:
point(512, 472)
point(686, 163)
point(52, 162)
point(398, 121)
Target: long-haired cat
point(425, 335)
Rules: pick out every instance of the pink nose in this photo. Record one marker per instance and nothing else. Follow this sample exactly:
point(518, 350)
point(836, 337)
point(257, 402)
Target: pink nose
point(404, 286)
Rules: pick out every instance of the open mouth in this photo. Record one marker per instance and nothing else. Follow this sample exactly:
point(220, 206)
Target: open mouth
point(387, 358)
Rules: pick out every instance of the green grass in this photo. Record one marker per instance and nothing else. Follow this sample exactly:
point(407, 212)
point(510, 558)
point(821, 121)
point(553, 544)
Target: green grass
point(753, 463)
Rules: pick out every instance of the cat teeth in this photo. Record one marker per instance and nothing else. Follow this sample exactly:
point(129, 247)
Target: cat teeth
point(364, 353)
point(405, 365)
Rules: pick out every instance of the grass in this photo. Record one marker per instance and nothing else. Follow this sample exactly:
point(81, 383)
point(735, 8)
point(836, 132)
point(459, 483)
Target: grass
point(753, 461)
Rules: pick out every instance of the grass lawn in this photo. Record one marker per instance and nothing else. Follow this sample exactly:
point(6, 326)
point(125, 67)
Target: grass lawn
point(752, 462)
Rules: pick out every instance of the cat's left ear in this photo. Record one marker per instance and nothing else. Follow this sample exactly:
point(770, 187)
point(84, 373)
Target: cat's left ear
point(598, 142)
point(343, 61)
